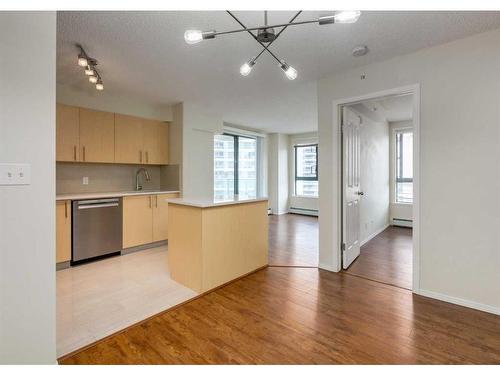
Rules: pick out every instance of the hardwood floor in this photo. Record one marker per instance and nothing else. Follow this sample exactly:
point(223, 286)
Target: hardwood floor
point(305, 316)
point(293, 240)
point(387, 258)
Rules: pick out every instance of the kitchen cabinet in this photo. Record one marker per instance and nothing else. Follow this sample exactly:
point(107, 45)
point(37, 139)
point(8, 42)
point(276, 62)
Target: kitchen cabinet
point(67, 133)
point(128, 139)
point(160, 216)
point(86, 135)
point(63, 231)
point(137, 220)
point(145, 219)
point(97, 136)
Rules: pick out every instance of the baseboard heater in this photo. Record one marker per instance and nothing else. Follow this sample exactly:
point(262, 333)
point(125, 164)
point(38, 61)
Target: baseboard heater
point(303, 211)
point(402, 222)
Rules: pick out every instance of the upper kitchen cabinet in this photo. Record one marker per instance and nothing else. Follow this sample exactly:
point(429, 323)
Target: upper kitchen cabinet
point(97, 136)
point(67, 133)
point(140, 141)
point(128, 140)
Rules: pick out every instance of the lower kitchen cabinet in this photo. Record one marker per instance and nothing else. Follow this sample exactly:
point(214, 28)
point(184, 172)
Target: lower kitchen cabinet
point(63, 231)
point(145, 219)
point(160, 216)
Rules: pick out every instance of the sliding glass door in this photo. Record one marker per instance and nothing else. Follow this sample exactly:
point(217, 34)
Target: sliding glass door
point(235, 167)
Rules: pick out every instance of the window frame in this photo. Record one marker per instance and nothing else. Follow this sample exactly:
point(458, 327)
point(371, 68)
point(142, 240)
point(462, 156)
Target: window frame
point(236, 161)
point(398, 164)
point(296, 178)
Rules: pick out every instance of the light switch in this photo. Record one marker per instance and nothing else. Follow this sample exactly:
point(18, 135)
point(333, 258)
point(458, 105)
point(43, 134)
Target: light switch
point(15, 174)
point(85, 180)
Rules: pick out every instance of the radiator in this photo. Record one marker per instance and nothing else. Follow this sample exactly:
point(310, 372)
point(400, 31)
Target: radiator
point(402, 222)
point(303, 211)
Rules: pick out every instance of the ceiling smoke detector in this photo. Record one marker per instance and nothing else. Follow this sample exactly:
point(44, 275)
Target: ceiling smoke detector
point(359, 51)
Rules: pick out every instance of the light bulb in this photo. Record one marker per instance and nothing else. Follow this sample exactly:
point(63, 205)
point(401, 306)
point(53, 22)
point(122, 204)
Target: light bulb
point(246, 68)
point(93, 79)
point(193, 36)
point(82, 61)
point(290, 72)
point(99, 86)
point(347, 16)
point(89, 71)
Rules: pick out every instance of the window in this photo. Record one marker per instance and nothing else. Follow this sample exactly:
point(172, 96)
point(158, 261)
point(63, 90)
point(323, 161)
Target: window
point(306, 170)
point(235, 167)
point(404, 166)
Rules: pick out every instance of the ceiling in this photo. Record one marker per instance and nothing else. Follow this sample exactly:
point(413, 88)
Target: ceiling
point(390, 108)
point(143, 55)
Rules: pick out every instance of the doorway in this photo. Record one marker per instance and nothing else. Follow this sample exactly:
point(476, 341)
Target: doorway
point(377, 188)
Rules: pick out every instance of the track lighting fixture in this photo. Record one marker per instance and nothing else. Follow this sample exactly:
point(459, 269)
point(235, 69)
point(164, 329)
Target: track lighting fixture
point(266, 35)
point(89, 64)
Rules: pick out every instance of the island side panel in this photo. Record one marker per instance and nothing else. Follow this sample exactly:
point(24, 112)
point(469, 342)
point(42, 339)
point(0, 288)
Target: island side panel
point(185, 245)
point(235, 242)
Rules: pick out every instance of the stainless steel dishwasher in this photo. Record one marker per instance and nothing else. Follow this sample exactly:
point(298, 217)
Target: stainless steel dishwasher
point(97, 228)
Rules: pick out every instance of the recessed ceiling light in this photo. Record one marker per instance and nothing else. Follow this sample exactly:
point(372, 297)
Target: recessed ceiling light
point(359, 51)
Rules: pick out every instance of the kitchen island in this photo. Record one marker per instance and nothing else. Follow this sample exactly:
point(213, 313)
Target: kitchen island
point(213, 242)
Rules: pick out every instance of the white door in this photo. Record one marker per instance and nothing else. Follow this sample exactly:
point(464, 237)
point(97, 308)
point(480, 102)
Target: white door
point(351, 186)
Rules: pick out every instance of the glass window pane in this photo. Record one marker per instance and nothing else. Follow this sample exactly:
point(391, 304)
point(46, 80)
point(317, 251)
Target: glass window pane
point(404, 167)
point(404, 192)
point(223, 167)
point(306, 188)
point(306, 161)
point(247, 167)
point(407, 155)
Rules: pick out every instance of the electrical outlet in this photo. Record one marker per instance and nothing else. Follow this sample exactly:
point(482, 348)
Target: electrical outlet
point(15, 174)
point(85, 180)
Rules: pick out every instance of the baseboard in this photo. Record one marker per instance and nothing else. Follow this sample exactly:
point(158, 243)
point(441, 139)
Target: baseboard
point(375, 234)
point(134, 249)
point(459, 301)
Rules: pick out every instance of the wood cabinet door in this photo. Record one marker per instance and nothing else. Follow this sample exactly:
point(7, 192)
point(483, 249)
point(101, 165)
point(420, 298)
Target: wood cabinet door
point(137, 220)
point(163, 139)
point(67, 133)
point(150, 141)
point(63, 231)
point(97, 136)
point(128, 140)
point(160, 216)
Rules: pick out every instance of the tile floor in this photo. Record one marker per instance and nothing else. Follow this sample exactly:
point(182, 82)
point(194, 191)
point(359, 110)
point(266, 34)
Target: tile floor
point(99, 298)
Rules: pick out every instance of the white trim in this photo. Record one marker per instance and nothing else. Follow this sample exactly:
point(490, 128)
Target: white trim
point(375, 234)
point(459, 301)
point(327, 267)
point(409, 89)
point(245, 133)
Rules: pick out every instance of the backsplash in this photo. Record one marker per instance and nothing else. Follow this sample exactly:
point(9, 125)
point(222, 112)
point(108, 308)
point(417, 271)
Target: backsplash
point(103, 177)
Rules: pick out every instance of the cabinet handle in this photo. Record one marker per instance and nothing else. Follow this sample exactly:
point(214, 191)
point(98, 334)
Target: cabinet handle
point(74, 152)
point(140, 156)
point(83, 153)
point(66, 209)
point(157, 201)
point(147, 157)
point(150, 204)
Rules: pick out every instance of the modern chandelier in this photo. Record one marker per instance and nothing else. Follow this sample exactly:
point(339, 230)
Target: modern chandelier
point(266, 36)
point(89, 63)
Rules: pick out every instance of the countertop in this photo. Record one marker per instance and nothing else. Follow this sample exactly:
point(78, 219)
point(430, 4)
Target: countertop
point(205, 203)
point(110, 194)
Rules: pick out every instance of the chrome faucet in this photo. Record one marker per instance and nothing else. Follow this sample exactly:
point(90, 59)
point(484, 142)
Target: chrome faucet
point(138, 186)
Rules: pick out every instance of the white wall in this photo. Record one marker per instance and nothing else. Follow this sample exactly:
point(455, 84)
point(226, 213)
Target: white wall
point(198, 129)
point(278, 173)
point(374, 178)
point(397, 210)
point(459, 157)
point(27, 213)
point(307, 203)
point(88, 97)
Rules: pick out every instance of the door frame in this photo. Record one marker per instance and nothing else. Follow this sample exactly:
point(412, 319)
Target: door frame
point(413, 89)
